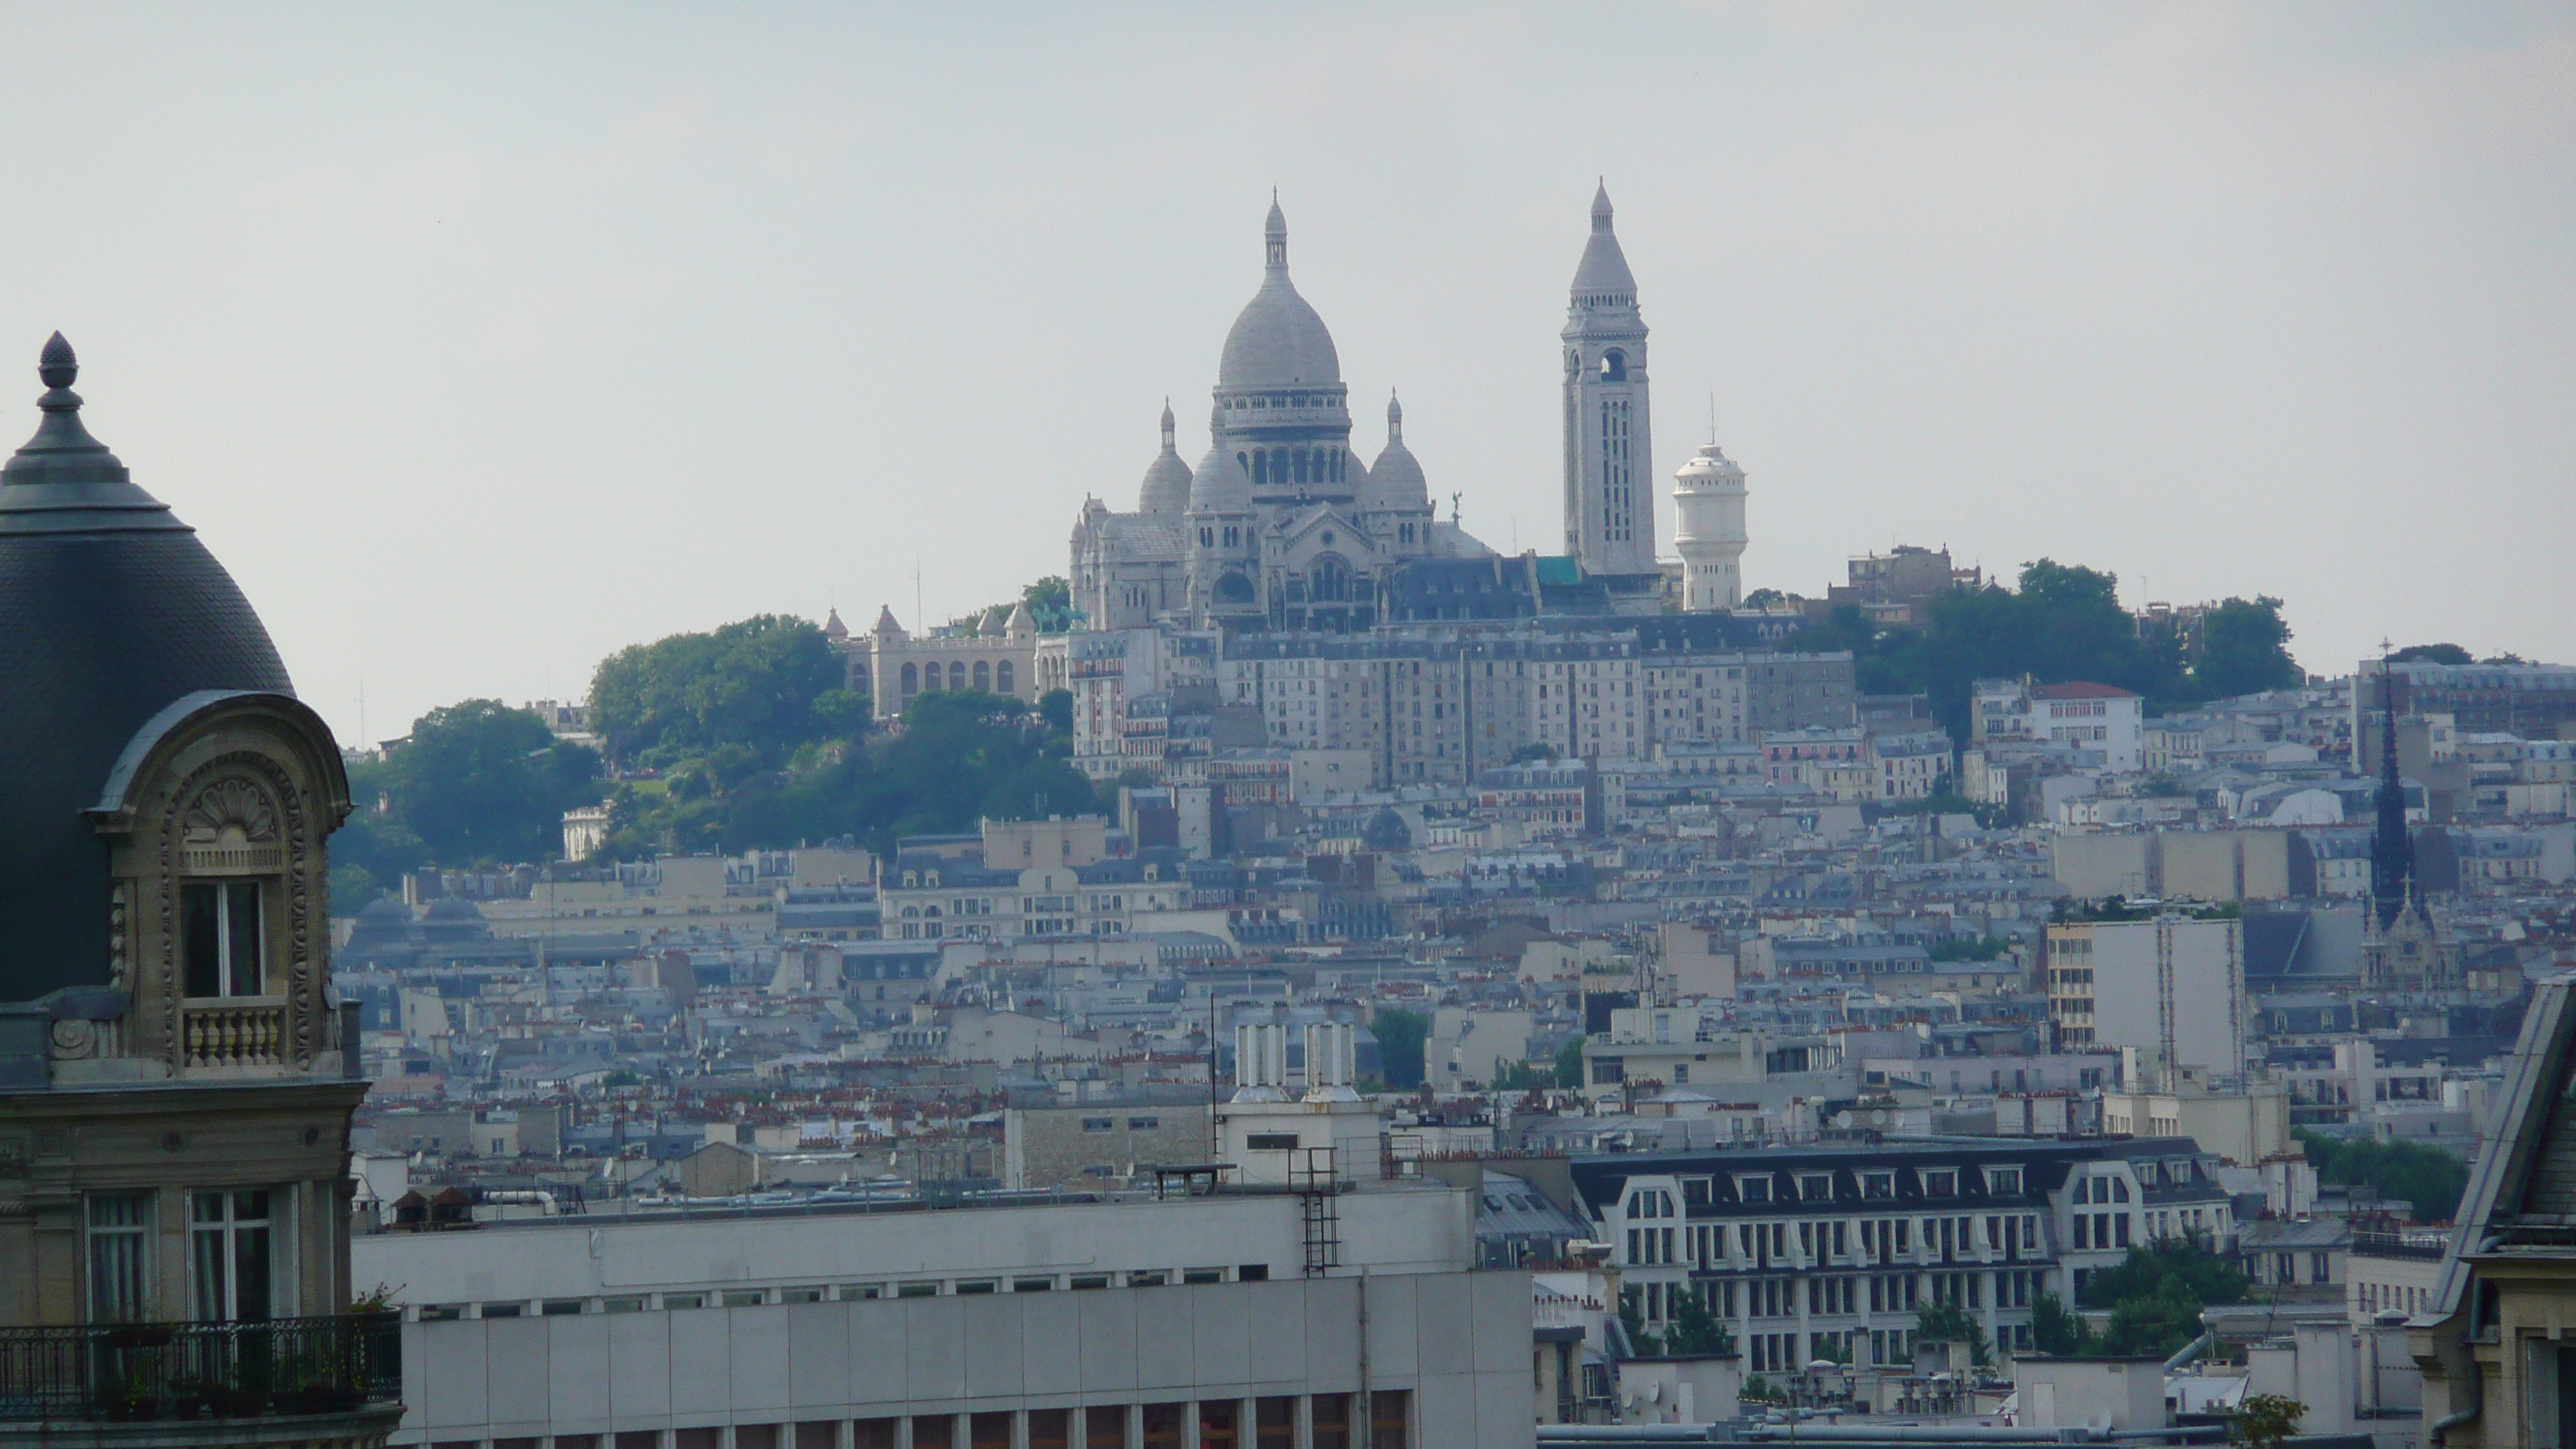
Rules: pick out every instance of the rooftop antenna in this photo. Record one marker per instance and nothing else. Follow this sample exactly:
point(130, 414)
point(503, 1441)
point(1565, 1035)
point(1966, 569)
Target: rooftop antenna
point(920, 620)
point(1712, 417)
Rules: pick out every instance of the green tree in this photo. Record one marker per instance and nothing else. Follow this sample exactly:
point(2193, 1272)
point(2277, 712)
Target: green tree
point(754, 683)
point(480, 781)
point(2159, 1322)
point(2209, 1278)
point(1695, 1330)
point(2055, 1330)
point(2064, 622)
point(2432, 654)
point(2266, 1421)
point(2244, 649)
point(1569, 1066)
point(1400, 1034)
point(2429, 1180)
point(1950, 1323)
point(1050, 602)
point(1055, 710)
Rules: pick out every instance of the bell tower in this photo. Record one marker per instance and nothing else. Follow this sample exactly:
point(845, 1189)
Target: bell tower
point(1609, 500)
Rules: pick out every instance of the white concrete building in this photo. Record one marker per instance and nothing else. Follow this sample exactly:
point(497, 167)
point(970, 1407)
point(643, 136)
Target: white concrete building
point(1072, 1322)
point(2100, 718)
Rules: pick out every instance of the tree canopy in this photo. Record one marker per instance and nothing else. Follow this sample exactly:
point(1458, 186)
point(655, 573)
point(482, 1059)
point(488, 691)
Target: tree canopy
point(960, 755)
point(476, 782)
point(2244, 649)
point(2432, 654)
point(2062, 622)
point(1400, 1035)
point(2429, 1180)
point(764, 684)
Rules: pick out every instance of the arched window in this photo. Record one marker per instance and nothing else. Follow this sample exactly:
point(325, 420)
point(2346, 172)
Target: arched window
point(1614, 366)
point(1207, 538)
point(1330, 579)
point(911, 682)
point(1261, 468)
point(983, 675)
point(1232, 538)
point(1002, 678)
point(957, 674)
point(1299, 456)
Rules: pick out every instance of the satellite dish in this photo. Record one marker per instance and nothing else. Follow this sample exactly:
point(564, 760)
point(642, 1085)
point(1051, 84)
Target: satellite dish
point(1655, 1392)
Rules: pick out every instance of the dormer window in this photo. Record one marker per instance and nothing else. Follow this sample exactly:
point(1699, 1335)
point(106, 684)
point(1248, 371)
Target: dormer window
point(2003, 1181)
point(1941, 1184)
point(1816, 1188)
point(1878, 1186)
point(1753, 1189)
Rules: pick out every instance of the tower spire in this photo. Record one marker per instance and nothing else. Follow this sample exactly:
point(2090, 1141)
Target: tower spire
point(1274, 236)
point(2392, 851)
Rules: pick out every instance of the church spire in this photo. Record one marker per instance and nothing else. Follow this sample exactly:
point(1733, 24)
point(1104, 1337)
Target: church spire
point(1274, 236)
point(2392, 851)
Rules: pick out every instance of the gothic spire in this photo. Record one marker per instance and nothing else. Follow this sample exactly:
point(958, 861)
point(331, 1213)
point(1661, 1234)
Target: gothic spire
point(2392, 851)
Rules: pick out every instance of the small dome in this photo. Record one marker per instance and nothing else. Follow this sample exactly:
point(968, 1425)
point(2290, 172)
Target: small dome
point(1220, 485)
point(1167, 478)
point(386, 909)
point(1386, 831)
point(110, 611)
point(1395, 479)
point(1277, 340)
point(1708, 468)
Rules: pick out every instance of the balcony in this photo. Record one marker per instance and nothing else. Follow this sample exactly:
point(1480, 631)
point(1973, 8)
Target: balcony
point(338, 1377)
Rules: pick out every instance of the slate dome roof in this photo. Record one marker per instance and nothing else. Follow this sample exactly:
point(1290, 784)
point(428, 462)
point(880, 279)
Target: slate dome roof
point(110, 610)
point(1277, 340)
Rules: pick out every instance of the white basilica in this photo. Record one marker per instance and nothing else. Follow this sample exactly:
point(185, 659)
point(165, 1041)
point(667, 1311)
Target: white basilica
point(1281, 526)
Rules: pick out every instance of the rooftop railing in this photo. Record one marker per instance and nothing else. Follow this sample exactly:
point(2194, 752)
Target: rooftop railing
point(147, 1371)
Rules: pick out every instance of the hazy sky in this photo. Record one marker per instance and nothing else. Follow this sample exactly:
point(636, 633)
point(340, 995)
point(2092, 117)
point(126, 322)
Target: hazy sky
point(481, 341)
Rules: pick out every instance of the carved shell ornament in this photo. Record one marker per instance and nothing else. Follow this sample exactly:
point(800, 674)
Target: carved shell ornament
point(231, 812)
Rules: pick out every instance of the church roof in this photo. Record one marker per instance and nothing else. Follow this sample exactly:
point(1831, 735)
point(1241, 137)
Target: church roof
point(110, 611)
point(1278, 340)
point(1604, 268)
point(1167, 478)
point(1144, 535)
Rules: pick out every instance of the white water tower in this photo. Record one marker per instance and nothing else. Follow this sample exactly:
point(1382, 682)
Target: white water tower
point(1709, 490)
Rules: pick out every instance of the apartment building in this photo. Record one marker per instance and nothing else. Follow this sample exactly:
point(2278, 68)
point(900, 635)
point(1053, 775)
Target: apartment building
point(1025, 879)
point(2173, 987)
point(1834, 1250)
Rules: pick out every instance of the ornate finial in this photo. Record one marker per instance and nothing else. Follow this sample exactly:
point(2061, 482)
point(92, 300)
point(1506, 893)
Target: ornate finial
point(57, 366)
point(1394, 417)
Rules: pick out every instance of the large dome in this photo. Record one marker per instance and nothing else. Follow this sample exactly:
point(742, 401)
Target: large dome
point(110, 610)
point(1277, 341)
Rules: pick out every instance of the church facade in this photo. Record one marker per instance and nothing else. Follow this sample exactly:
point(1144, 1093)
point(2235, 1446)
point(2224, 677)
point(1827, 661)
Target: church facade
point(1282, 527)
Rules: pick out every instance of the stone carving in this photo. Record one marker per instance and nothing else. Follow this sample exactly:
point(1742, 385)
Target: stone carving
point(233, 811)
point(74, 1041)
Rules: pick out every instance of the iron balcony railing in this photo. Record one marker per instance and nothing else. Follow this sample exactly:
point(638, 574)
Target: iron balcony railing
point(143, 1371)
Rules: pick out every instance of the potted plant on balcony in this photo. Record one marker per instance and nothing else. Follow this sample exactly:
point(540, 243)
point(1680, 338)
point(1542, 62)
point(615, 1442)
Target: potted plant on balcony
point(130, 1399)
